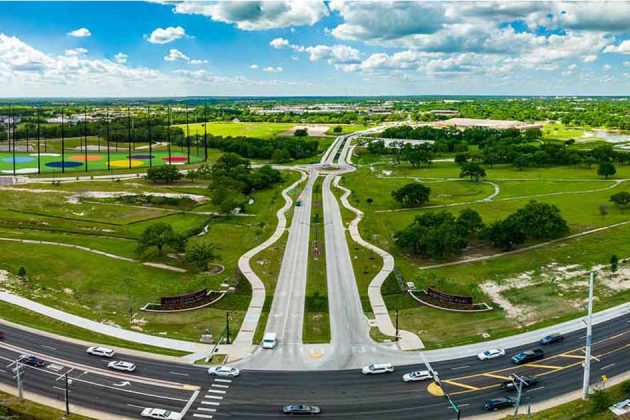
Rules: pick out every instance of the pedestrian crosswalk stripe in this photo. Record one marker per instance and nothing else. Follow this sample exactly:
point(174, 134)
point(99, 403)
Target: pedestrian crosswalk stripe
point(212, 410)
point(227, 381)
point(220, 386)
point(214, 397)
point(203, 416)
point(209, 403)
point(216, 391)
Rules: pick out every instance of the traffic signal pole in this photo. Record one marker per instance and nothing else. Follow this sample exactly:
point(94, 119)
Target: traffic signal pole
point(589, 331)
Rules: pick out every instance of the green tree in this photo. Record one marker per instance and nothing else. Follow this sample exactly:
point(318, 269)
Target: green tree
point(338, 129)
point(621, 199)
point(192, 174)
point(22, 272)
point(280, 156)
point(412, 195)
point(301, 132)
point(472, 170)
point(606, 169)
point(614, 263)
point(200, 253)
point(470, 221)
point(541, 220)
point(159, 235)
point(600, 400)
point(166, 174)
point(521, 162)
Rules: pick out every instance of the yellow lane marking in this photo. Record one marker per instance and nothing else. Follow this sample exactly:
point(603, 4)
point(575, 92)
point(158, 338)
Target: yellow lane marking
point(472, 388)
point(571, 356)
point(546, 366)
point(492, 375)
point(435, 389)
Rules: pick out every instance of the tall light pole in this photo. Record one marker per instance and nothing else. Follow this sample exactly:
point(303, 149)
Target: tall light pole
point(18, 369)
point(589, 331)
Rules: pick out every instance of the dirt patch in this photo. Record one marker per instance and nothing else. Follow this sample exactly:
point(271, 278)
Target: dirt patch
point(313, 130)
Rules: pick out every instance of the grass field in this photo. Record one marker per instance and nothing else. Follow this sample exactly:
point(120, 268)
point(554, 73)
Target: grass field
point(577, 192)
point(108, 290)
point(261, 130)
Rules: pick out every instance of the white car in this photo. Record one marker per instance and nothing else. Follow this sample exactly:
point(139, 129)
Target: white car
point(122, 366)
point(101, 351)
point(375, 369)
point(225, 371)
point(491, 354)
point(158, 413)
point(419, 375)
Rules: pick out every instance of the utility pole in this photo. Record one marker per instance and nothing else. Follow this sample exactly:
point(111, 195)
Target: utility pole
point(518, 383)
point(396, 325)
point(19, 370)
point(227, 328)
point(67, 395)
point(453, 404)
point(589, 330)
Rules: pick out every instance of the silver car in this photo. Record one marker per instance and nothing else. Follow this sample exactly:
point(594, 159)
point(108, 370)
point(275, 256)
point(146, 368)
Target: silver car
point(122, 366)
point(419, 375)
point(224, 371)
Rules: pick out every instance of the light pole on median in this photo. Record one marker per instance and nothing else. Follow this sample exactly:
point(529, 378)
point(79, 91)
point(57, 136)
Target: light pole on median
point(589, 329)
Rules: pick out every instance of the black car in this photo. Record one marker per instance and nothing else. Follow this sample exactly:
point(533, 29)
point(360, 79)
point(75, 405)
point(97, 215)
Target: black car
point(528, 381)
point(528, 356)
point(33, 361)
point(301, 409)
point(552, 338)
point(499, 403)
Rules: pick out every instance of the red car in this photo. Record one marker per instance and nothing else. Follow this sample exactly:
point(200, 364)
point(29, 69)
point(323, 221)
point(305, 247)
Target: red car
point(1, 335)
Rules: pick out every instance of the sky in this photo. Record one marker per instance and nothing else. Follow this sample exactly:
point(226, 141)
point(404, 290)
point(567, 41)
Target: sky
point(313, 48)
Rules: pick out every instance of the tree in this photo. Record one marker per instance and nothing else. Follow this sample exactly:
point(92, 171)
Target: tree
point(338, 129)
point(461, 158)
point(369, 201)
point(504, 234)
point(614, 263)
point(281, 156)
point(470, 221)
point(159, 235)
point(22, 272)
point(412, 195)
point(192, 174)
point(521, 162)
point(621, 199)
point(540, 221)
point(200, 253)
point(301, 132)
point(606, 169)
point(603, 210)
point(166, 174)
point(473, 170)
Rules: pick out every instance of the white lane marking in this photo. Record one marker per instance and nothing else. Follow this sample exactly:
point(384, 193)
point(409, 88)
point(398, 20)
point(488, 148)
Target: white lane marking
point(61, 389)
point(48, 347)
point(210, 403)
point(460, 367)
point(213, 397)
point(203, 416)
point(226, 381)
point(581, 337)
point(210, 410)
point(188, 404)
point(216, 391)
point(607, 366)
point(54, 367)
point(178, 373)
point(220, 386)
point(136, 406)
point(535, 389)
point(459, 405)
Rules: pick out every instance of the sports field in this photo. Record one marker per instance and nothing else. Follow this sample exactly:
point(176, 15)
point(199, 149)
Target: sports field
point(261, 130)
point(31, 163)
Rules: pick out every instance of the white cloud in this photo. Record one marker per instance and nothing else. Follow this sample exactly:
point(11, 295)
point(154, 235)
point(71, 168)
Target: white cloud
point(258, 15)
point(623, 48)
point(76, 52)
point(121, 58)
point(80, 33)
point(589, 58)
point(253, 66)
point(197, 62)
point(174, 55)
point(279, 43)
point(166, 35)
point(572, 67)
point(626, 63)
point(606, 67)
point(272, 69)
point(337, 54)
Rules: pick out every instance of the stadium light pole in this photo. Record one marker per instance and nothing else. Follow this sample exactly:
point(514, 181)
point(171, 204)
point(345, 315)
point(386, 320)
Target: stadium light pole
point(168, 127)
point(107, 139)
point(85, 151)
point(150, 135)
point(187, 137)
point(63, 154)
point(589, 331)
point(39, 166)
point(129, 135)
point(205, 132)
point(12, 129)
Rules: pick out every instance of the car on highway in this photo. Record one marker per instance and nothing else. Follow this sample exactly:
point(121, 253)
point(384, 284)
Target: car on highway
point(527, 356)
point(551, 338)
point(499, 403)
point(100, 351)
point(377, 368)
point(491, 354)
point(418, 375)
point(527, 381)
point(301, 410)
point(1, 335)
point(224, 371)
point(158, 413)
point(121, 366)
point(32, 361)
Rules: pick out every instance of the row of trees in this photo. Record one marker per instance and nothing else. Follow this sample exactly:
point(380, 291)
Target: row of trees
point(279, 150)
point(440, 235)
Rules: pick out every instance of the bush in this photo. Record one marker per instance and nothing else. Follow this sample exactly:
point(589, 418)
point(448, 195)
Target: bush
point(165, 174)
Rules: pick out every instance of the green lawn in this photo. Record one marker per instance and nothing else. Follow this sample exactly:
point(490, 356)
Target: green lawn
point(261, 130)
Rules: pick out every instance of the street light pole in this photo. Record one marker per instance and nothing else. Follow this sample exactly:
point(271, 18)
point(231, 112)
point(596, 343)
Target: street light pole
point(227, 327)
point(67, 396)
point(396, 325)
point(589, 330)
point(19, 368)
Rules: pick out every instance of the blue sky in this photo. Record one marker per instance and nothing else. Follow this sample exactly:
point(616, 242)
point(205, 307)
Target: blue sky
point(313, 48)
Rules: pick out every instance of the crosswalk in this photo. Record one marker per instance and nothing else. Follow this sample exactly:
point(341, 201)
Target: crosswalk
point(211, 402)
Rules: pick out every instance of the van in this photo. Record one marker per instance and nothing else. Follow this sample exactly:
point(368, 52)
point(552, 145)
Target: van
point(269, 341)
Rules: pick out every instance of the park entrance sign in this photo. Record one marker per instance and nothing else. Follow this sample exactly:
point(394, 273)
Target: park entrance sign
point(446, 298)
point(183, 301)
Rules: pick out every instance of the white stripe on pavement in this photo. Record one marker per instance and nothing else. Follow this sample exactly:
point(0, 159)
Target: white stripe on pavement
point(212, 410)
point(220, 386)
point(217, 391)
point(204, 416)
point(227, 381)
point(214, 397)
point(210, 403)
